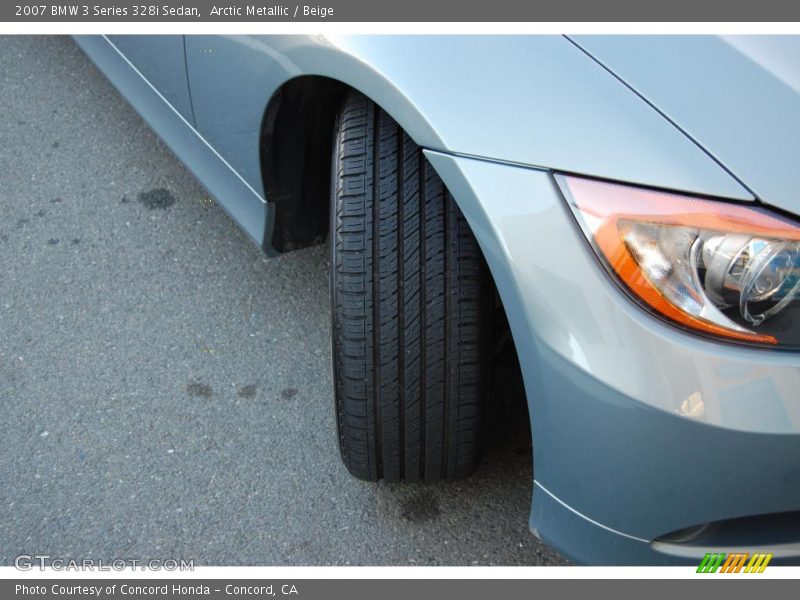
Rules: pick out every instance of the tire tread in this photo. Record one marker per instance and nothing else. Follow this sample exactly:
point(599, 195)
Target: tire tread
point(411, 309)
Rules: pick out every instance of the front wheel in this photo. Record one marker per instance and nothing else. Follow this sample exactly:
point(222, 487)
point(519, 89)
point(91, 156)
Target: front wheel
point(411, 308)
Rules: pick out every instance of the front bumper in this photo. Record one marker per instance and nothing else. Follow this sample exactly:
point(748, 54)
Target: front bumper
point(639, 429)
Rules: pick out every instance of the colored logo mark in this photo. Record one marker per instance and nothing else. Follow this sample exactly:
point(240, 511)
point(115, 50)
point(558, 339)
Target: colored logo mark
point(734, 563)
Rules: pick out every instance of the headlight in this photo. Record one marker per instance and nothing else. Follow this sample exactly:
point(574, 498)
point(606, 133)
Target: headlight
point(717, 268)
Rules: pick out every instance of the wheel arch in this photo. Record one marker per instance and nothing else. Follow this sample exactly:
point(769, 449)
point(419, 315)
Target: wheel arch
point(296, 161)
point(295, 145)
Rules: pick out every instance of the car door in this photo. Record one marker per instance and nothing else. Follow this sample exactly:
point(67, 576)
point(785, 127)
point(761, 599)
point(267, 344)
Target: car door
point(232, 79)
point(161, 59)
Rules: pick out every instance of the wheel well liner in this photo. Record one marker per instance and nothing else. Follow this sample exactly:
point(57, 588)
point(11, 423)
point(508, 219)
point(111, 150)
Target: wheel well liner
point(295, 148)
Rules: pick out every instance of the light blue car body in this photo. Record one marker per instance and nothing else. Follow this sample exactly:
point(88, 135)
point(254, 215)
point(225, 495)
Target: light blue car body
point(640, 430)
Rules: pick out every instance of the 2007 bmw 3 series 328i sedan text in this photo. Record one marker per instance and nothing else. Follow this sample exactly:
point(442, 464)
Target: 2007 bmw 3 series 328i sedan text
point(631, 201)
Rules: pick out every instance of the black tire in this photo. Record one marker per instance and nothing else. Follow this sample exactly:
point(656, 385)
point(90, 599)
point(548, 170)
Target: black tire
point(411, 303)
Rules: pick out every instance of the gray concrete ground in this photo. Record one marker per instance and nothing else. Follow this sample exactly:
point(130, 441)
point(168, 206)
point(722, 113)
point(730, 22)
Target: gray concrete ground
point(165, 388)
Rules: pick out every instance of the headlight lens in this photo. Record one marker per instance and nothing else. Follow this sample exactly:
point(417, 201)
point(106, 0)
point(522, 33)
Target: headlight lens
point(717, 268)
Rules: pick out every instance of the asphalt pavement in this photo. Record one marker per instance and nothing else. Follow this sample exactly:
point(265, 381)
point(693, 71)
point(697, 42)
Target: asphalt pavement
point(165, 387)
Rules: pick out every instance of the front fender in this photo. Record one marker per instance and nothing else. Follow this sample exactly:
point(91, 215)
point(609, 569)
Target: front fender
point(533, 100)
